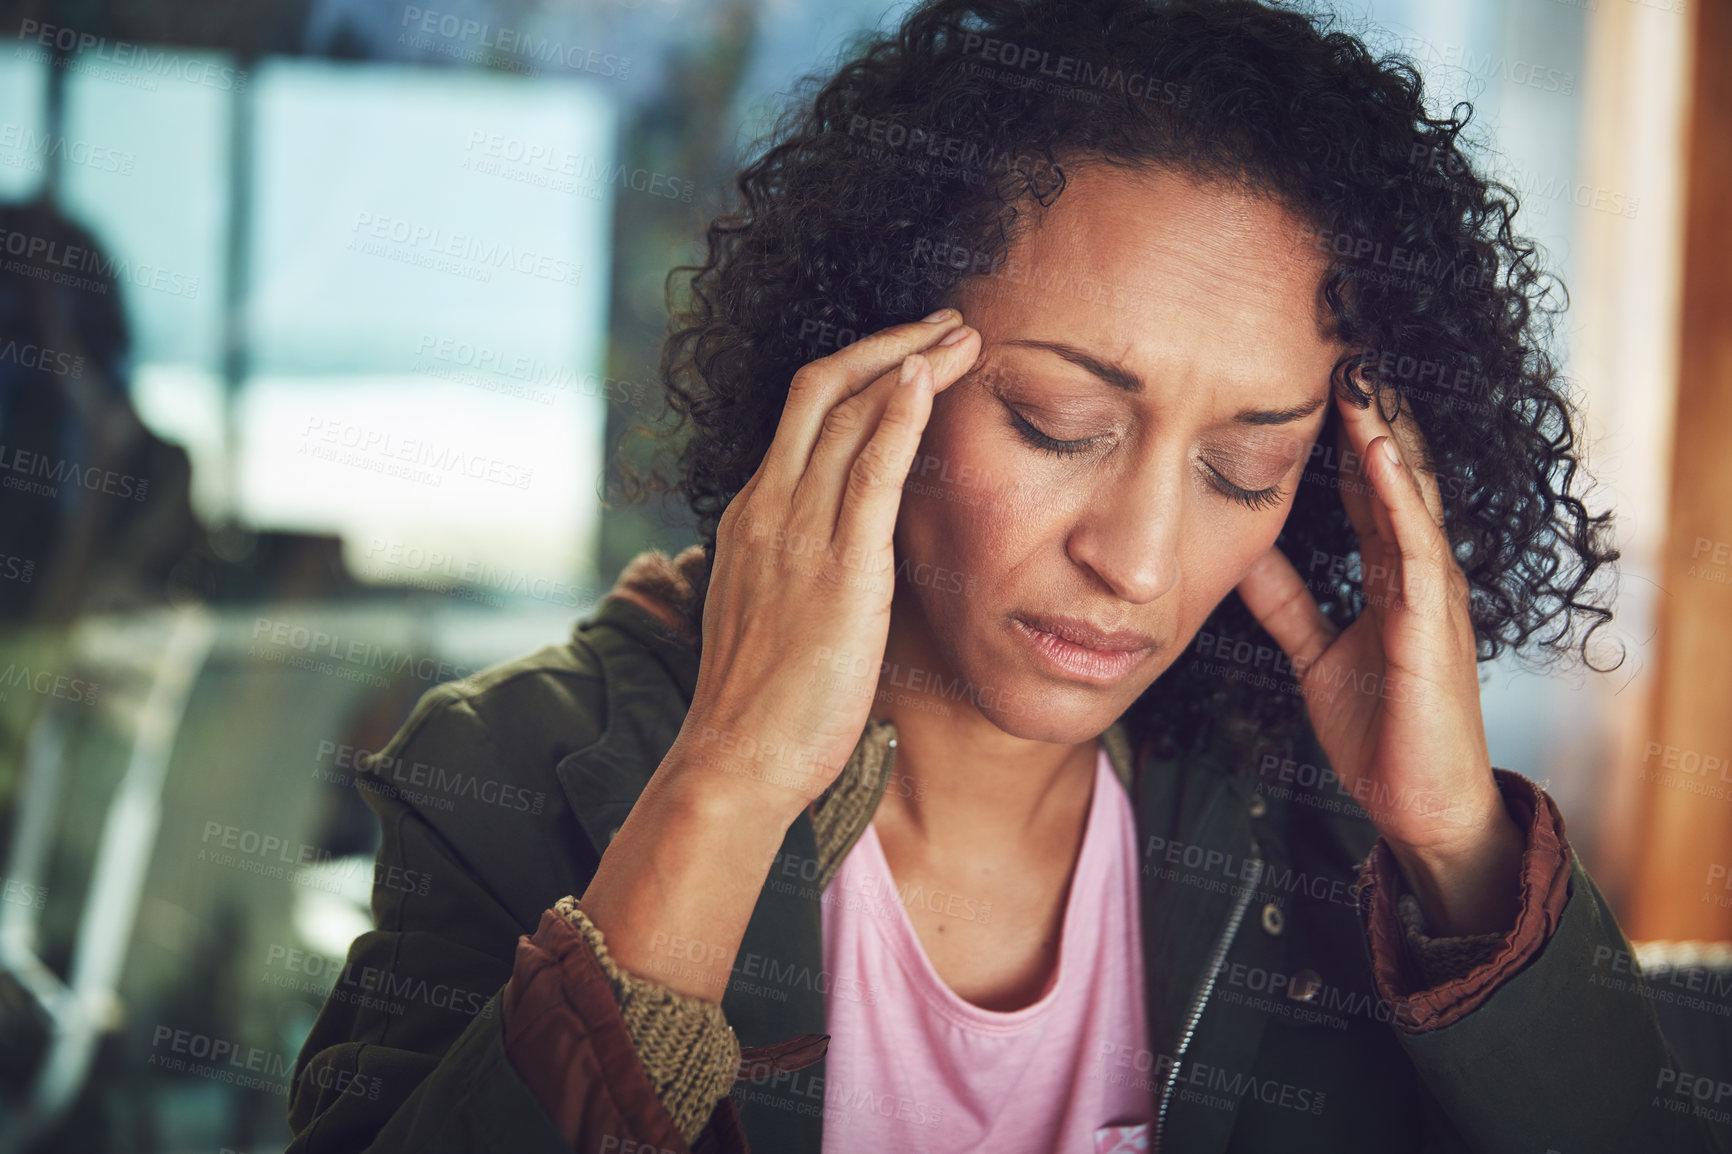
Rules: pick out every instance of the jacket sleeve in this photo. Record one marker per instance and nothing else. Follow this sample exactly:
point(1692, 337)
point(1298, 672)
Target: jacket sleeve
point(414, 1047)
point(1543, 1038)
point(567, 985)
point(572, 1014)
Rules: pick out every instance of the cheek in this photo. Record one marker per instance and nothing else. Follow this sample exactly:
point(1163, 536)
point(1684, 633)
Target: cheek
point(1223, 544)
point(967, 504)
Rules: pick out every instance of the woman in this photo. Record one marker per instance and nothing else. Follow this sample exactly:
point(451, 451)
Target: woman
point(947, 828)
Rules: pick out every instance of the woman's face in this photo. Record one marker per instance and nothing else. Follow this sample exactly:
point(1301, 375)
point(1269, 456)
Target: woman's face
point(1171, 332)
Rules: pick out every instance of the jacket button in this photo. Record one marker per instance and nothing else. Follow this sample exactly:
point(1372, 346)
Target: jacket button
point(1303, 986)
point(1259, 807)
point(1272, 919)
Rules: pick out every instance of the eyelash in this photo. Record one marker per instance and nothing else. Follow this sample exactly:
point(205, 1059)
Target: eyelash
point(1041, 441)
point(1250, 498)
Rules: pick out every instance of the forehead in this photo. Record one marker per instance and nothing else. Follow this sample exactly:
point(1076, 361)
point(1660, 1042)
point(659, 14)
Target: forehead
point(1171, 277)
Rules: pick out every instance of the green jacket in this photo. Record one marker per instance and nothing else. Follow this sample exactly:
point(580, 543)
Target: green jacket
point(1270, 1030)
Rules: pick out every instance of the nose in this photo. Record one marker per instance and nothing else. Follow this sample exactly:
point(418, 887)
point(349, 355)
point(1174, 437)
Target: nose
point(1127, 532)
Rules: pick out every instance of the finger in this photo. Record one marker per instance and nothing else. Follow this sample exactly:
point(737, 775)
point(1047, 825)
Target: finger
point(1418, 540)
point(1354, 486)
point(867, 519)
point(1380, 560)
point(819, 385)
point(848, 427)
point(1385, 527)
point(1380, 565)
point(1416, 452)
point(1365, 425)
point(1280, 601)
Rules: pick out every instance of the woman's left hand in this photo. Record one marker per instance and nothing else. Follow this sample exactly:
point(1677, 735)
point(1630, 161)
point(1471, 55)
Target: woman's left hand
point(1394, 698)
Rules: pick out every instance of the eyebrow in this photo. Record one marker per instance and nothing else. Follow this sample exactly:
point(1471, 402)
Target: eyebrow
point(1122, 378)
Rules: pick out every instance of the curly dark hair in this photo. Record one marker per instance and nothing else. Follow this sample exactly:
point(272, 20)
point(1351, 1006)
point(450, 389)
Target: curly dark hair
point(907, 171)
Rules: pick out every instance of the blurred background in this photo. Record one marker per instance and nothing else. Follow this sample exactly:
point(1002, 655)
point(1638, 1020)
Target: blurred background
point(322, 320)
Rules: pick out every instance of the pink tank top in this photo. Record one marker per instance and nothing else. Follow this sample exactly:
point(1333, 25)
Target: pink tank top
point(914, 1068)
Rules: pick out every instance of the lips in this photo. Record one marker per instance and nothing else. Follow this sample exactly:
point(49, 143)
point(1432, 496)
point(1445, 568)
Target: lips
point(1079, 651)
point(1079, 632)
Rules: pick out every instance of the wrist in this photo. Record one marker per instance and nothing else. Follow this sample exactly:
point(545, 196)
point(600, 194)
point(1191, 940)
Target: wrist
point(722, 795)
point(1471, 886)
point(742, 769)
point(738, 791)
point(677, 883)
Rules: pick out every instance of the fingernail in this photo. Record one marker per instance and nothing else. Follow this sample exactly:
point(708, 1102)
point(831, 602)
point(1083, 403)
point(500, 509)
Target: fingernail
point(1389, 451)
point(940, 315)
point(955, 335)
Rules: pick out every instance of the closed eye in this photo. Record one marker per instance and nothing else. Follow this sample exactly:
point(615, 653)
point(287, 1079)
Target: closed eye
point(1043, 442)
point(1250, 498)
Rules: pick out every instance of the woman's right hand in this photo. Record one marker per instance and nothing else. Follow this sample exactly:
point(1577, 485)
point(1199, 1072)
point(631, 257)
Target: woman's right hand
point(804, 572)
point(798, 609)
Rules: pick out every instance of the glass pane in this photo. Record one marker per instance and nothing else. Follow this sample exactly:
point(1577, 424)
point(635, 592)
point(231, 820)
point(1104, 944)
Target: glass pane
point(23, 147)
point(152, 184)
point(426, 314)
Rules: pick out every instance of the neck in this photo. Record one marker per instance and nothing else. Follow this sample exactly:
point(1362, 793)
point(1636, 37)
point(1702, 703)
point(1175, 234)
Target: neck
point(962, 783)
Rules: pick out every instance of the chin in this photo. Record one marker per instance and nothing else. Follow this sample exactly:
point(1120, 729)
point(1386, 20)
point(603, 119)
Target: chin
point(1059, 712)
point(1069, 729)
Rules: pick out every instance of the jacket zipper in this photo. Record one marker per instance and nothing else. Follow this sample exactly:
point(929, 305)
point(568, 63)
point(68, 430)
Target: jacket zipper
point(1201, 999)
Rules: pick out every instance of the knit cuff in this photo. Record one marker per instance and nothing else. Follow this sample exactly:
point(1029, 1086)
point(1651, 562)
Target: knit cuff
point(688, 1049)
point(1434, 961)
